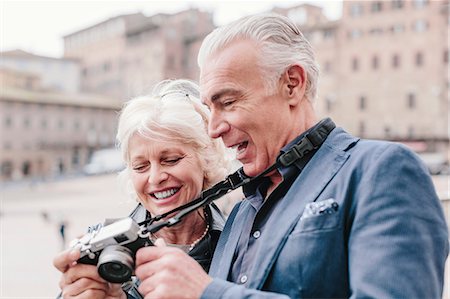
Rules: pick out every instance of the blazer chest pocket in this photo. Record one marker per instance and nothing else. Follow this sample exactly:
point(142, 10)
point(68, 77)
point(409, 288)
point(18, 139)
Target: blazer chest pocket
point(320, 215)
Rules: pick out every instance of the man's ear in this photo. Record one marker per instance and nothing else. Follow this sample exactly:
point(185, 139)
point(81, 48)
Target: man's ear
point(294, 84)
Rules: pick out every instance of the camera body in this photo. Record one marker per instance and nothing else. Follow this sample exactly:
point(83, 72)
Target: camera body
point(113, 248)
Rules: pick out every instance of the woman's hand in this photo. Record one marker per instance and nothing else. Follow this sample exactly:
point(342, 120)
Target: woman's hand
point(83, 281)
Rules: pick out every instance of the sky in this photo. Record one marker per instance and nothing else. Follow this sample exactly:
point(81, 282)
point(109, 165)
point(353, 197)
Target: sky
point(38, 26)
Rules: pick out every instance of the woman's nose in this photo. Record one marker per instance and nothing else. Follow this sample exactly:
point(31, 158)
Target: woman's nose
point(157, 175)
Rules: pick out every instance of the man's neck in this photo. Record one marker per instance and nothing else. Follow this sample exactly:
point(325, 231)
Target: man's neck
point(276, 180)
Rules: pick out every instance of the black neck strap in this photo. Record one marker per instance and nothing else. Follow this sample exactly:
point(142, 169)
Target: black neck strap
point(311, 141)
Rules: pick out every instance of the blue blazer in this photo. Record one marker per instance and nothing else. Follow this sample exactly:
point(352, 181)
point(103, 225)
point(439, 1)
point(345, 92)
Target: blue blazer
point(387, 238)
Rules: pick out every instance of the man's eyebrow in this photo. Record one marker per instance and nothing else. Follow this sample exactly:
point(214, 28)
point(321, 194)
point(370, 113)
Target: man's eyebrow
point(223, 92)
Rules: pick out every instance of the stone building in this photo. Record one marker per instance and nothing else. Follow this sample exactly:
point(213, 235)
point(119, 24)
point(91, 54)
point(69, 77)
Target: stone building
point(57, 74)
point(384, 68)
point(45, 134)
point(126, 55)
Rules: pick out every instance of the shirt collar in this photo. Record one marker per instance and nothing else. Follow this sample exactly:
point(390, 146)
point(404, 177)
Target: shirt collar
point(250, 189)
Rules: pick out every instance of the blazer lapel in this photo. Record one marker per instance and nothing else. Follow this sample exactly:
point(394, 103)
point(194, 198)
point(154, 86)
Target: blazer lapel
point(310, 183)
point(225, 256)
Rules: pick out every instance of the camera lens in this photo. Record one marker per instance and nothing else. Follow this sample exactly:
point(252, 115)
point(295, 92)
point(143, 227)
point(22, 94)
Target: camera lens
point(116, 264)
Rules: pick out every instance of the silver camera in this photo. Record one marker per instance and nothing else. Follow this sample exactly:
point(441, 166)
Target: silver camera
point(113, 248)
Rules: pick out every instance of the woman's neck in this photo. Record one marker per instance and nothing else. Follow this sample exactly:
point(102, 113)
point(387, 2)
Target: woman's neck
point(187, 231)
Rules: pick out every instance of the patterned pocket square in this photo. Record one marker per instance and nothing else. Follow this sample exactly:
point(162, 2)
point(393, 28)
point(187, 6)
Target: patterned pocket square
point(314, 209)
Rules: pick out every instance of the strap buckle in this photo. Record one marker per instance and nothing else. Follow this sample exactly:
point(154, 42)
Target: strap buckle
point(298, 151)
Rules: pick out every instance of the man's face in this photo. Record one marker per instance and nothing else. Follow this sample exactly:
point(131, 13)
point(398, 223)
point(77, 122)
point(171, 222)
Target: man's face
point(242, 113)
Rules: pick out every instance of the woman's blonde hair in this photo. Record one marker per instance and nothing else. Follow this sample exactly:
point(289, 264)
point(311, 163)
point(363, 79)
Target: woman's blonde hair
point(174, 113)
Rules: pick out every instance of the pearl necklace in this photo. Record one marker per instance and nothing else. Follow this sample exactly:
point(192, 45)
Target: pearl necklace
point(192, 245)
point(199, 239)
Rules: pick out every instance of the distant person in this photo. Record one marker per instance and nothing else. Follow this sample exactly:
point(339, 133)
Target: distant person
point(61, 224)
point(170, 159)
point(62, 232)
point(335, 217)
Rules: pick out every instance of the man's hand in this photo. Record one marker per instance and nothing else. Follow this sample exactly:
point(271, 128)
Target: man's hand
point(82, 281)
point(168, 272)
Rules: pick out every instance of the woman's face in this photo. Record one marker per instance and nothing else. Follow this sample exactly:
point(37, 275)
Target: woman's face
point(165, 175)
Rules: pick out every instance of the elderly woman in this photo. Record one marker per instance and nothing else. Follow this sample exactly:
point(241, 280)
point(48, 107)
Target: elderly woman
point(170, 159)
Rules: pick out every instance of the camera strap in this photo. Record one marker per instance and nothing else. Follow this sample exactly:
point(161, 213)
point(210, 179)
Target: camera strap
point(311, 141)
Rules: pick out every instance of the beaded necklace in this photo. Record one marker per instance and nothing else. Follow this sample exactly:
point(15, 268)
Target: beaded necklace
point(188, 246)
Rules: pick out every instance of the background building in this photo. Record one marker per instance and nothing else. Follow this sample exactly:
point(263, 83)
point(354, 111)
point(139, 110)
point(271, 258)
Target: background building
point(125, 55)
point(58, 74)
point(384, 69)
point(384, 74)
point(47, 133)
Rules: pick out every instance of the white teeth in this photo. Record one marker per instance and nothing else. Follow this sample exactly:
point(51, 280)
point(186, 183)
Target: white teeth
point(241, 147)
point(166, 193)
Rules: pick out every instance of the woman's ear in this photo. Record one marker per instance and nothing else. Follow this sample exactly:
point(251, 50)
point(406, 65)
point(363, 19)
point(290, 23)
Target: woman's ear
point(294, 84)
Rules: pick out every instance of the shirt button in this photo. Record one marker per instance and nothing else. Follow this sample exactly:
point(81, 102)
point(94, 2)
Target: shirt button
point(243, 278)
point(256, 234)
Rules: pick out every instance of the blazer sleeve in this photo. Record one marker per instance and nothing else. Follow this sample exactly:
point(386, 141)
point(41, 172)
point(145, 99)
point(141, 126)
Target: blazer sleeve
point(219, 288)
point(398, 236)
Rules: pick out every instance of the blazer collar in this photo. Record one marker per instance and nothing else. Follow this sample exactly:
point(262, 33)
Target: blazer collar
point(323, 166)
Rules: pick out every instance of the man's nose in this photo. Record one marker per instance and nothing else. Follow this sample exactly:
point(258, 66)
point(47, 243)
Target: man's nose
point(217, 126)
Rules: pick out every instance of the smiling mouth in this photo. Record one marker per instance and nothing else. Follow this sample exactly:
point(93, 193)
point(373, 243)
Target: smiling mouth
point(240, 147)
point(165, 194)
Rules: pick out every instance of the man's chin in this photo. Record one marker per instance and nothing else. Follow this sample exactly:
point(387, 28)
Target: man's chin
point(251, 170)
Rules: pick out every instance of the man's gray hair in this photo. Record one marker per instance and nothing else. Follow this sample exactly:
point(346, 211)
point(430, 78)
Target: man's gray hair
point(281, 44)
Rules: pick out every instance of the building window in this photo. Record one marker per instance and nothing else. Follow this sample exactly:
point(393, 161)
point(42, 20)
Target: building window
point(376, 31)
point(362, 103)
point(446, 56)
point(420, 26)
point(362, 128)
point(411, 101)
point(61, 124)
point(76, 125)
point(26, 168)
point(376, 6)
point(26, 122)
point(397, 4)
point(356, 9)
point(387, 132)
point(355, 34)
point(7, 169)
point(106, 67)
point(8, 121)
point(328, 34)
point(419, 59)
point(395, 61)
point(328, 104)
point(375, 62)
point(355, 64)
point(43, 123)
point(420, 3)
point(327, 67)
point(397, 28)
point(411, 132)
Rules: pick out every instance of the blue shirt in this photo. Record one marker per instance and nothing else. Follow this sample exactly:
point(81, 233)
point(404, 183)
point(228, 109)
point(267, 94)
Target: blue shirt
point(260, 213)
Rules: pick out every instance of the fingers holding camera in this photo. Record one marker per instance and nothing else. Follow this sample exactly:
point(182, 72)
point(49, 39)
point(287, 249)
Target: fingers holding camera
point(85, 288)
point(84, 282)
point(162, 268)
point(64, 260)
point(80, 271)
